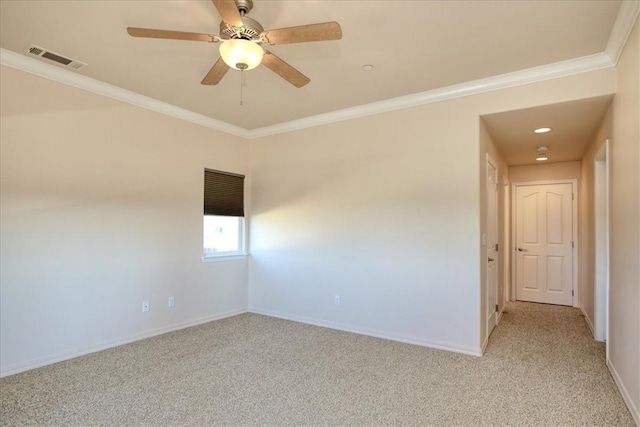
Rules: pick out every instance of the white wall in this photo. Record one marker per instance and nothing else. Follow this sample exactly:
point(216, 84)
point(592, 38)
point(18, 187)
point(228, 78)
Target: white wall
point(624, 296)
point(384, 211)
point(101, 208)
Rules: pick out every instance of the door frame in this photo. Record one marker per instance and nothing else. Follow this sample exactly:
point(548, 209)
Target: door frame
point(576, 246)
point(601, 243)
point(489, 161)
point(506, 259)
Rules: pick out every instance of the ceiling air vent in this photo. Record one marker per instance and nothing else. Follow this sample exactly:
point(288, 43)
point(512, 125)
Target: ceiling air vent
point(47, 54)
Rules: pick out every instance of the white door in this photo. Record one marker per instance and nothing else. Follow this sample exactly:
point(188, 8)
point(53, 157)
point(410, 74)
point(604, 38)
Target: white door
point(492, 246)
point(544, 243)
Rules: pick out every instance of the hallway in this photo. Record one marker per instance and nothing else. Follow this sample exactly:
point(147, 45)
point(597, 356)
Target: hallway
point(555, 369)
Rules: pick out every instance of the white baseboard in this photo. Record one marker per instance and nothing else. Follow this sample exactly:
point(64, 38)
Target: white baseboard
point(456, 348)
point(586, 318)
point(625, 394)
point(59, 357)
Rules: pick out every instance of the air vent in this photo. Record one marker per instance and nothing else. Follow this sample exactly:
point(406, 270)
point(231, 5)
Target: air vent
point(51, 56)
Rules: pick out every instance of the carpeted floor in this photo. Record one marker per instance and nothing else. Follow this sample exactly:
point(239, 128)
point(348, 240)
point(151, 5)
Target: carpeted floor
point(541, 367)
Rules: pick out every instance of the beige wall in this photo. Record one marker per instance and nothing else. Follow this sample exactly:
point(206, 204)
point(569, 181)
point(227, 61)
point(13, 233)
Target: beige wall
point(101, 208)
point(624, 293)
point(545, 172)
point(384, 211)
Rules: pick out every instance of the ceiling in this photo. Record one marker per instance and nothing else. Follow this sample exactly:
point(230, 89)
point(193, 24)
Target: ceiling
point(414, 46)
point(573, 126)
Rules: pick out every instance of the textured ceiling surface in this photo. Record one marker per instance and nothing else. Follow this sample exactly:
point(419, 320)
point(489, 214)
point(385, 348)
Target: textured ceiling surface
point(414, 46)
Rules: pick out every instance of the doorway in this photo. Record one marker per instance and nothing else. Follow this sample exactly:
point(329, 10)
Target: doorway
point(506, 253)
point(545, 241)
point(492, 245)
point(601, 219)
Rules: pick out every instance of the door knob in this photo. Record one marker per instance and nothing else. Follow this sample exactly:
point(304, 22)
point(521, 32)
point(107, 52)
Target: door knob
point(491, 259)
point(522, 250)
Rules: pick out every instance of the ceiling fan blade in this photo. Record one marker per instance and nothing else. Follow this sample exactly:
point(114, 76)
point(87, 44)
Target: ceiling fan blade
point(216, 73)
point(284, 70)
point(167, 34)
point(304, 33)
point(228, 11)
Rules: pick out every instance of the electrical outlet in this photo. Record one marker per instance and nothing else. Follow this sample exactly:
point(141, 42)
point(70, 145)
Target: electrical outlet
point(171, 302)
point(145, 306)
point(336, 299)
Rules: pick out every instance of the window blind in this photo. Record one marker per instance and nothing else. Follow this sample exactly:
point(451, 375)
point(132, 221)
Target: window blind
point(223, 193)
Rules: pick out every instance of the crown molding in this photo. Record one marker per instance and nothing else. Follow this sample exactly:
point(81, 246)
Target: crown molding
point(627, 17)
point(70, 78)
point(518, 78)
point(503, 81)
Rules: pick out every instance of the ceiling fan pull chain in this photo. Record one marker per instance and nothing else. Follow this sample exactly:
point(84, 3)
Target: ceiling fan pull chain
point(242, 85)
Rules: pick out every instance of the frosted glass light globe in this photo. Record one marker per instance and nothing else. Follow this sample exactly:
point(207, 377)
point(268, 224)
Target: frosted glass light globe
point(241, 54)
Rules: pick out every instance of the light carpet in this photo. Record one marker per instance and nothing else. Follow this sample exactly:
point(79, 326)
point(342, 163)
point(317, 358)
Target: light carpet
point(541, 367)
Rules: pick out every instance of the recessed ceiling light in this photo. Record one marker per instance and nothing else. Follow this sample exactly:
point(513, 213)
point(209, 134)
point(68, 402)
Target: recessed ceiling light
point(542, 130)
point(542, 148)
point(542, 157)
point(367, 67)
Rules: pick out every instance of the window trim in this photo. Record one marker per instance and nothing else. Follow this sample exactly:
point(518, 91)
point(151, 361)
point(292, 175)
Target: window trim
point(241, 253)
point(224, 258)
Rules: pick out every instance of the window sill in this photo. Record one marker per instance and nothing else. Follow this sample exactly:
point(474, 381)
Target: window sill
point(224, 258)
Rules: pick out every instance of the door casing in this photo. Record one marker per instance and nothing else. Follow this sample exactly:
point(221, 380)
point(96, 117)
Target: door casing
point(601, 240)
point(492, 288)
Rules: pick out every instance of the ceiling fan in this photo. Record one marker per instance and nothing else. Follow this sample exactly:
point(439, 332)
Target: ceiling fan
point(242, 38)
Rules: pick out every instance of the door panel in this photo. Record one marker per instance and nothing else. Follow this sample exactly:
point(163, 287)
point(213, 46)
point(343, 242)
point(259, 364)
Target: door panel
point(544, 243)
point(530, 273)
point(554, 210)
point(530, 219)
point(554, 273)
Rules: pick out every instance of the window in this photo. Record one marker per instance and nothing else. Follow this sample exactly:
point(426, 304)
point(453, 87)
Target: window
point(223, 222)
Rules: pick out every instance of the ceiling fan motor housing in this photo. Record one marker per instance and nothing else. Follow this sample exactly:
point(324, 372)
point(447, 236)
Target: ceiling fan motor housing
point(251, 30)
point(244, 6)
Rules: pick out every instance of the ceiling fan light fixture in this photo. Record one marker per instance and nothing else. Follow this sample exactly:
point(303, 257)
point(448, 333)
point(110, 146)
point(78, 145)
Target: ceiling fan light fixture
point(241, 54)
